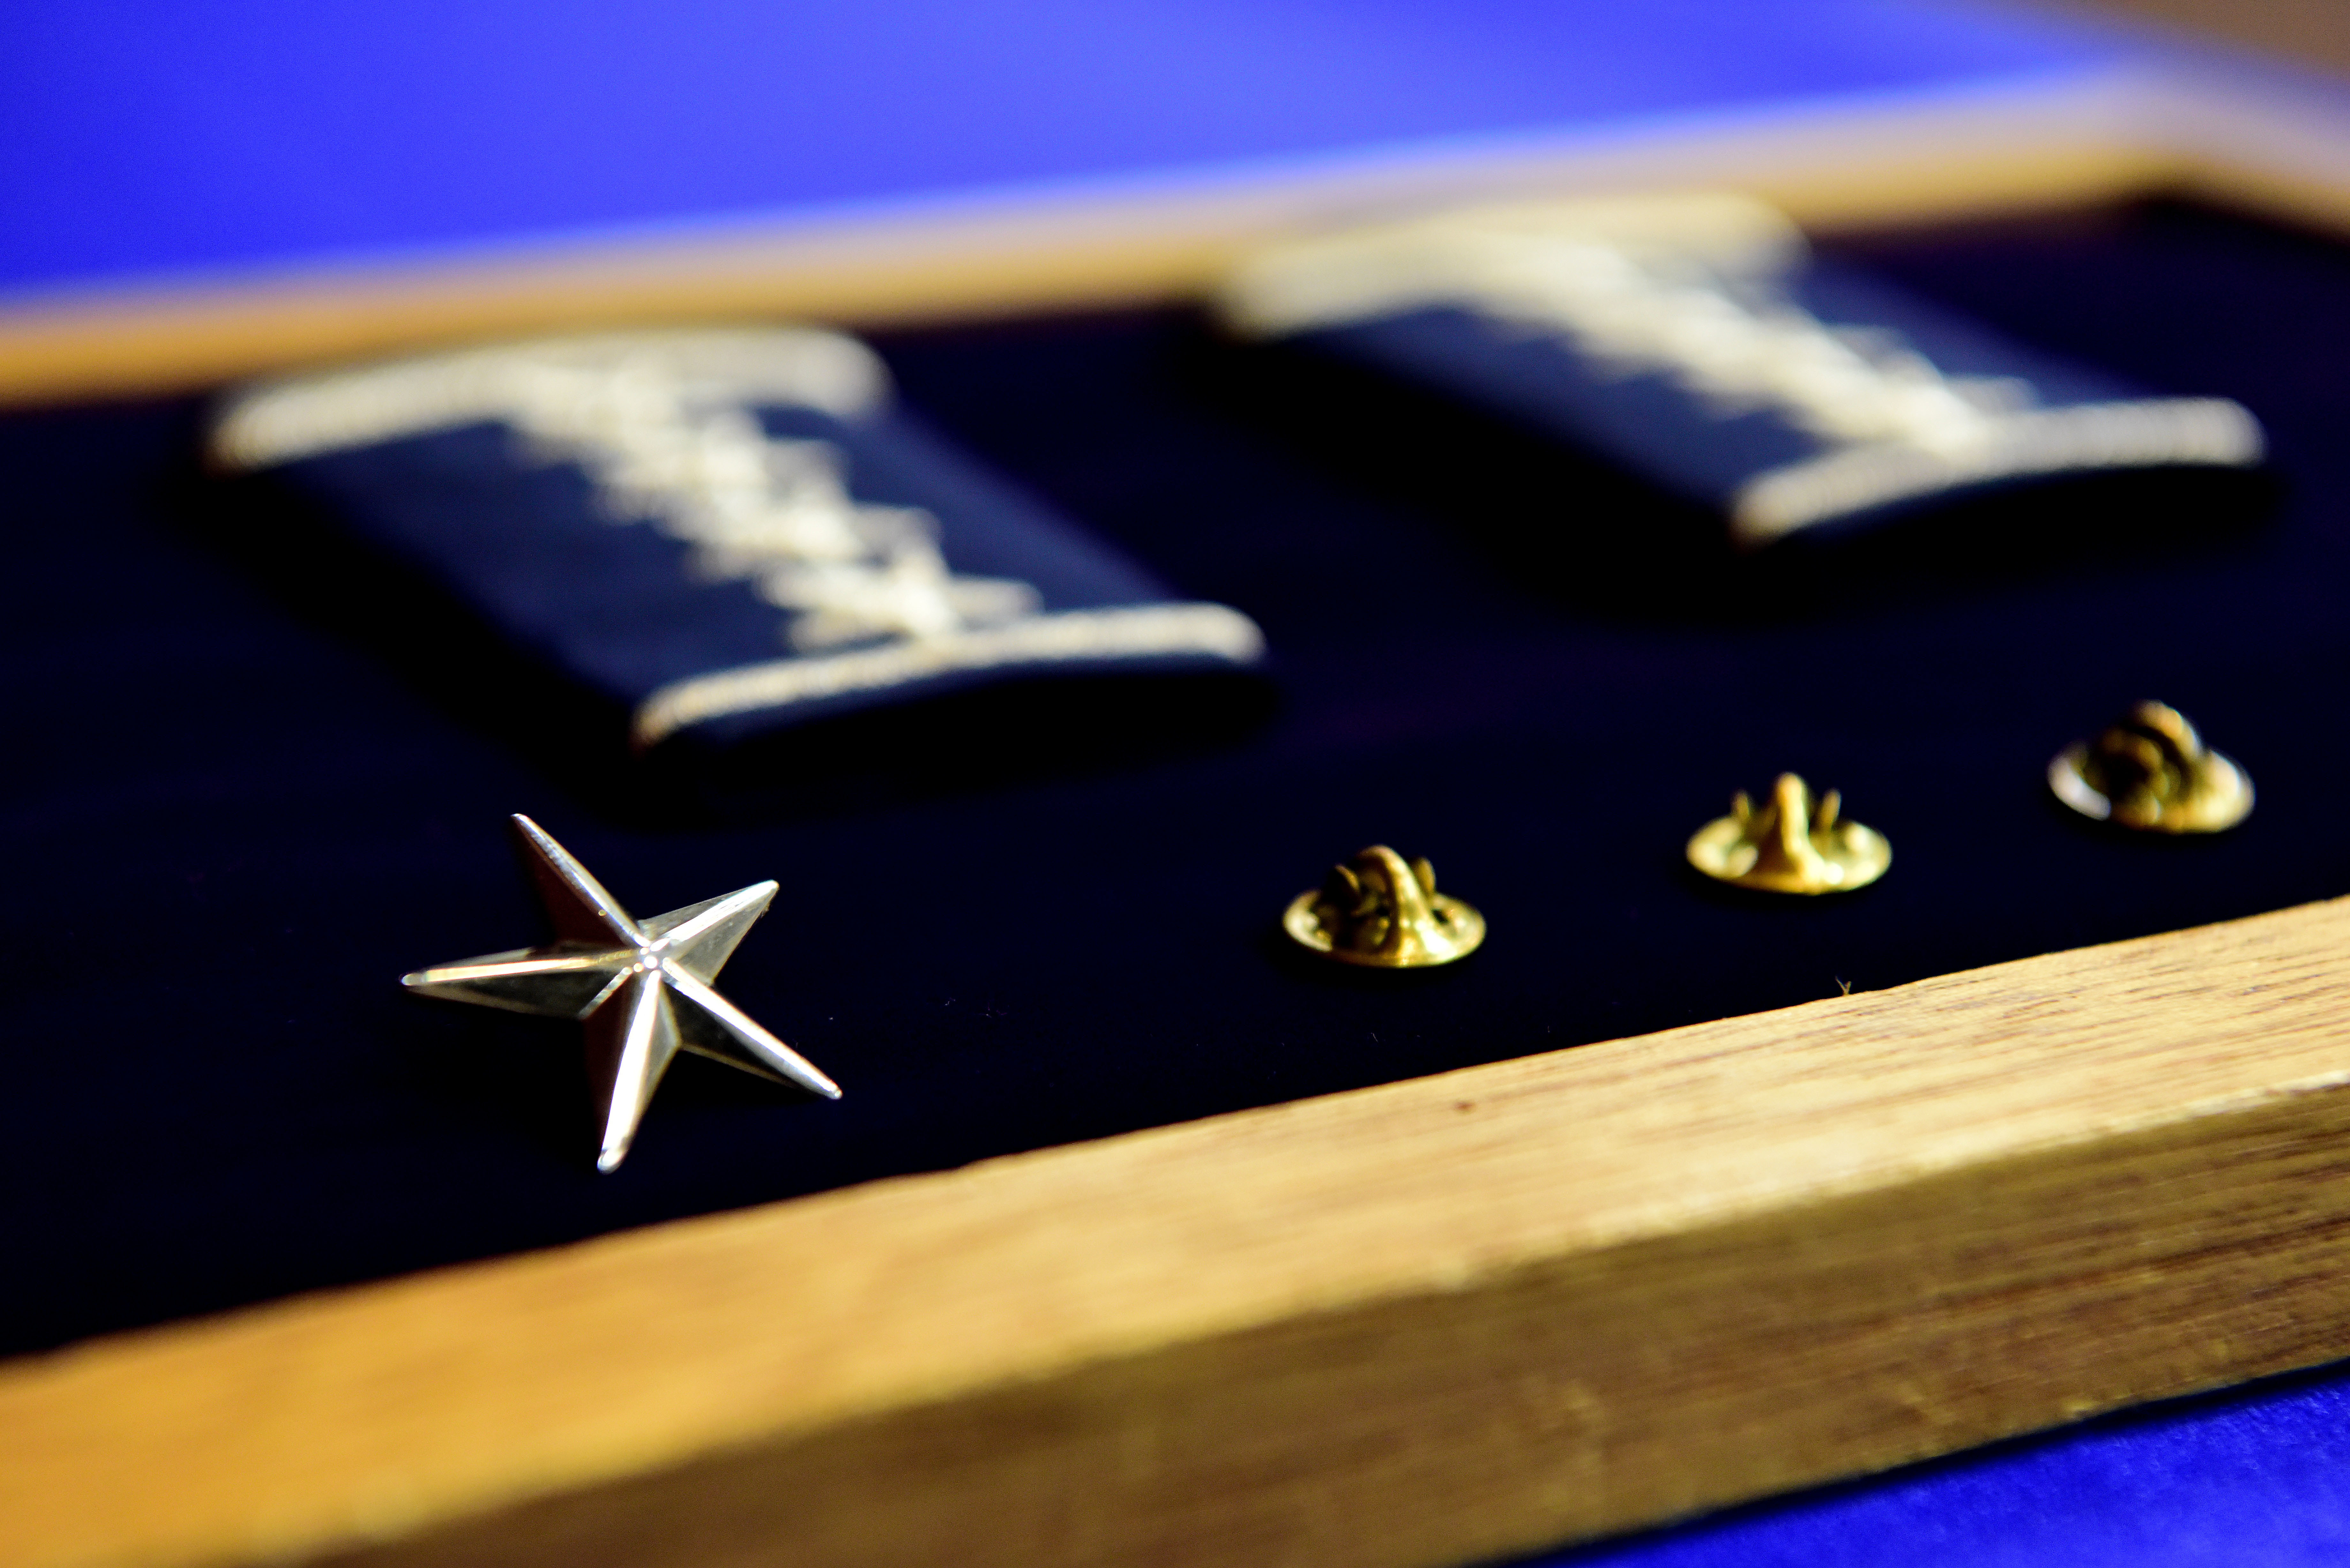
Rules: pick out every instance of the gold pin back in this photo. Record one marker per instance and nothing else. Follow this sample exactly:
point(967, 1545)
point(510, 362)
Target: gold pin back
point(1789, 846)
point(1378, 910)
point(2152, 773)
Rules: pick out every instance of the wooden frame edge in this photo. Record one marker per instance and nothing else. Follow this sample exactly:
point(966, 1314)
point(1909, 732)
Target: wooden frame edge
point(1401, 1327)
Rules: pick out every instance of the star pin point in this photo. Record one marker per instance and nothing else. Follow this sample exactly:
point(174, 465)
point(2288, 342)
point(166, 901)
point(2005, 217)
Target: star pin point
point(643, 988)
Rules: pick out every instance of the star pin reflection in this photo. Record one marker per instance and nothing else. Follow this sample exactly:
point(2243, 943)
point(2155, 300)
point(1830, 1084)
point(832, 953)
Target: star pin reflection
point(643, 988)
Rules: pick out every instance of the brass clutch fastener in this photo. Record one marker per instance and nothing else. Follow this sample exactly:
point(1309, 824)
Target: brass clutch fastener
point(2152, 773)
point(1789, 845)
point(1380, 912)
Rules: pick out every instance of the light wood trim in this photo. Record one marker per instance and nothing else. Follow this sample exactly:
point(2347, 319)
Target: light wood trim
point(1406, 1326)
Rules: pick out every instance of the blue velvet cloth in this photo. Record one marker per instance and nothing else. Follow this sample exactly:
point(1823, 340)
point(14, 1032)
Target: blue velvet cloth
point(2254, 1477)
point(183, 138)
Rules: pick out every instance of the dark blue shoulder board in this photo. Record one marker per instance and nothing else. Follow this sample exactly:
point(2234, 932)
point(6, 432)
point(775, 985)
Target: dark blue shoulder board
point(724, 530)
point(1696, 342)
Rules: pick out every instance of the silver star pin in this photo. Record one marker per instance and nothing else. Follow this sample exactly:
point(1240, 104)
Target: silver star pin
point(643, 989)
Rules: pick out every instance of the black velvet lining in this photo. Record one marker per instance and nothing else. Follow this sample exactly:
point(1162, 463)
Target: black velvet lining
point(257, 776)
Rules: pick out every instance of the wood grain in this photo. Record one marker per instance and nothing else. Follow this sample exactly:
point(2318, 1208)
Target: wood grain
point(1410, 1325)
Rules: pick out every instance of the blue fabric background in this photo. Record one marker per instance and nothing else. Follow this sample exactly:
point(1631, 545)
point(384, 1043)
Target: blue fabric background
point(2254, 1477)
point(172, 135)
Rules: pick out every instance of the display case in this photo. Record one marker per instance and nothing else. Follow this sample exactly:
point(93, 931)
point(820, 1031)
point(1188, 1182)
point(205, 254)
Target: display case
point(1140, 1235)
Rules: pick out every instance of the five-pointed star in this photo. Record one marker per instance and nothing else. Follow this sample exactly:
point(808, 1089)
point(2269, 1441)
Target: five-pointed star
point(642, 988)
